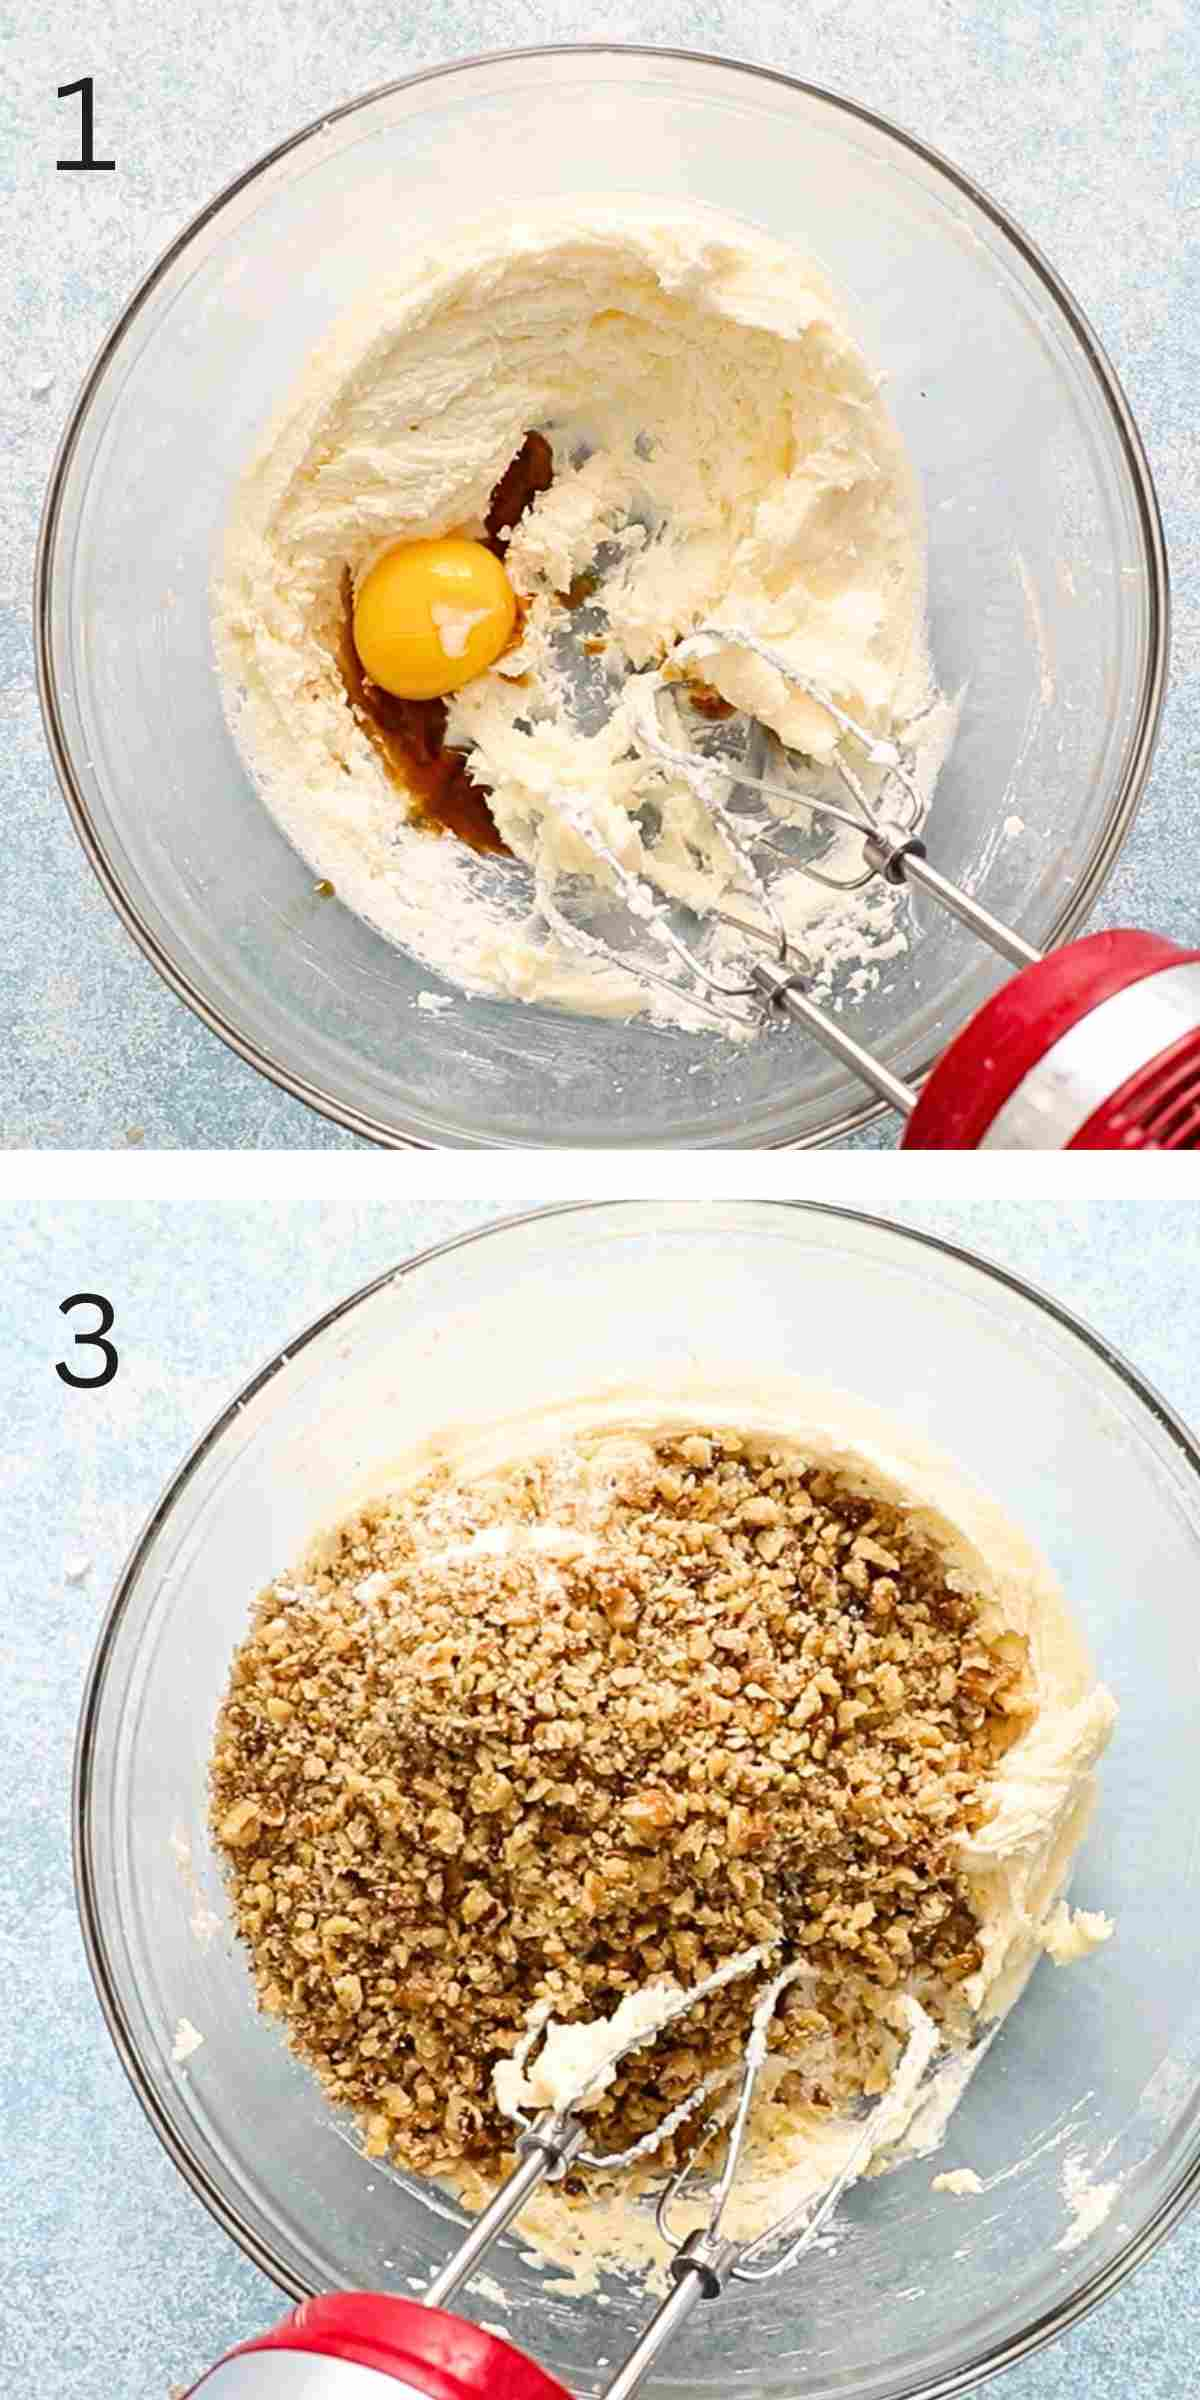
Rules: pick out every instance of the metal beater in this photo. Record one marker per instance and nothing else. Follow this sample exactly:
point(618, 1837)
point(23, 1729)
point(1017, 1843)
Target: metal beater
point(1094, 1046)
point(322, 2350)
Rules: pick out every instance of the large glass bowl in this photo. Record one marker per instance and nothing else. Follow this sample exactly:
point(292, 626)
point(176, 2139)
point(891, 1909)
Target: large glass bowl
point(1048, 585)
point(1096, 2075)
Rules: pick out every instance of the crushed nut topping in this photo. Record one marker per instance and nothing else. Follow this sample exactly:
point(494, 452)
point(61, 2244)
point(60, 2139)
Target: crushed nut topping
point(611, 1715)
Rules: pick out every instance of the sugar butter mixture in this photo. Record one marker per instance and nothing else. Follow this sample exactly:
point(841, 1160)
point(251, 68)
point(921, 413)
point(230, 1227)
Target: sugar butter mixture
point(715, 446)
point(558, 1725)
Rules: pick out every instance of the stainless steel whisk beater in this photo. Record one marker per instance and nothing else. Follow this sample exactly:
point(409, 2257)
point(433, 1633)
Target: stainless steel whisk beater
point(892, 849)
point(334, 2347)
point(1093, 1046)
point(704, 2262)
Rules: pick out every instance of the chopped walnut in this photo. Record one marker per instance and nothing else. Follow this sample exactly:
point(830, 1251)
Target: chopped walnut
point(240, 1824)
point(723, 1699)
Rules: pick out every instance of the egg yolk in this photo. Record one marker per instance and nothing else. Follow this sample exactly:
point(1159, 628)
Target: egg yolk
point(430, 615)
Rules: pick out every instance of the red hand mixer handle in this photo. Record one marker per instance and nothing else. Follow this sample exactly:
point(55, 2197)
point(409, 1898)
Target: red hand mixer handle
point(1095, 1047)
point(367, 2345)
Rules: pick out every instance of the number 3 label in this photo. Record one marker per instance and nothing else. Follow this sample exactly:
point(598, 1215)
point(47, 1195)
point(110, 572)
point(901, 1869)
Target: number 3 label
point(90, 1341)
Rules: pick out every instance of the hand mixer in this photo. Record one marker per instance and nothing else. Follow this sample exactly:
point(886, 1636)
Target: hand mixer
point(347, 2345)
point(1095, 1046)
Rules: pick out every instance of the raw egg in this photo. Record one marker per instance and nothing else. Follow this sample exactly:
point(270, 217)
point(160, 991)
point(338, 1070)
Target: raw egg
point(430, 615)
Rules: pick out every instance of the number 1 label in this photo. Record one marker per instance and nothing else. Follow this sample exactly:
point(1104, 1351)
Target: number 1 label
point(89, 159)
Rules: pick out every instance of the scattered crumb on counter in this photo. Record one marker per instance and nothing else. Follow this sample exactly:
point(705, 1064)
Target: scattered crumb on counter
point(1013, 826)
point(434, 1004)
point(76, 1569)
point(959, 2180)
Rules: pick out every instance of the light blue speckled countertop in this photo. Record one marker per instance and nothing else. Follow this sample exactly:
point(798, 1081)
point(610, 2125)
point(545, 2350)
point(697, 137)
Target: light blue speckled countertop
point(116, 2284)
point(1079, 116)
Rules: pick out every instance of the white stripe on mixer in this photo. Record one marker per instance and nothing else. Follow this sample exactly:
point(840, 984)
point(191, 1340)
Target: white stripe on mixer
point(1094, 1058)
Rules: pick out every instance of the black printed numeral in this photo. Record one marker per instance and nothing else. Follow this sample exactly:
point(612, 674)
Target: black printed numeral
point(89, 161)
point(95, 1340)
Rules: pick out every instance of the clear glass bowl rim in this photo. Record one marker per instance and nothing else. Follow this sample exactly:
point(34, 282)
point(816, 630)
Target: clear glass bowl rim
point(1041, 2329)
point(1140, 750)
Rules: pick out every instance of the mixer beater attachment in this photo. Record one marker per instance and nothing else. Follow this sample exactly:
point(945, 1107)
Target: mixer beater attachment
point(427, 2354)
point(548, 2144)
point(1094, 1046)
point(705, 2261)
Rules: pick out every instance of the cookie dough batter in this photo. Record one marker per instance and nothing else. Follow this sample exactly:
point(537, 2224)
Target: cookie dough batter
point(720, 448)
point(593, 1704)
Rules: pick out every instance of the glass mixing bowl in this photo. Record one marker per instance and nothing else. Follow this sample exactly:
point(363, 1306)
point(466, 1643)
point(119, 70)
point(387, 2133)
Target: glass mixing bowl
point(1047, 586)
point(1094, 2078)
